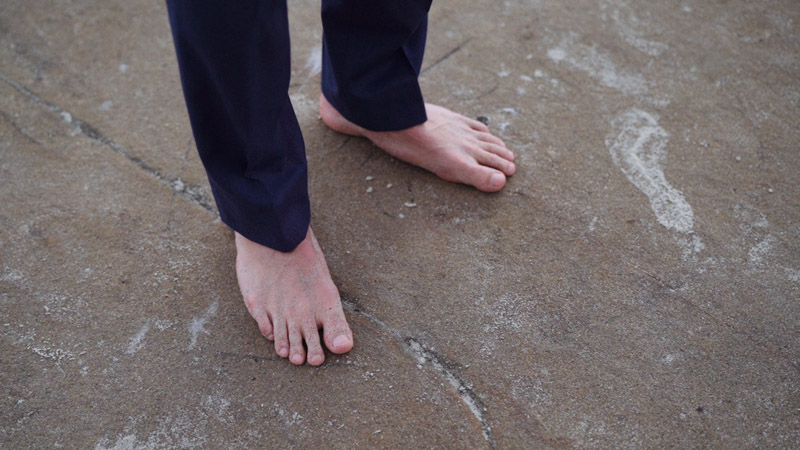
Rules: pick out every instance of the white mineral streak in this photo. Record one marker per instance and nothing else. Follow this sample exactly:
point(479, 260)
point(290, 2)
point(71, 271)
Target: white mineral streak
point(199, 323)
point(598, 65)
point(137, 342)
point(314, 62)
point(634, 37)
point(638, 148)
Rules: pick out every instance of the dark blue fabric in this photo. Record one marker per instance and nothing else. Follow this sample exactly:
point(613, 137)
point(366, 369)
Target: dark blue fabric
point(372, 55)
point(235, 67)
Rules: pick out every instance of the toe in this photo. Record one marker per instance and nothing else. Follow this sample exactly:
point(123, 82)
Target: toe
point(482, 177)
point(492, 160)
point(281, 337)
point(311, 335)
point(337, 334)
point(498, 150)
point(495, 182)
point(296, 351)
point(489, 137)
point(477, 125)
point(265, 326)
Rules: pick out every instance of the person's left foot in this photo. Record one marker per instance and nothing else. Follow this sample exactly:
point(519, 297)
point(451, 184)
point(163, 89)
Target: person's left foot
point(448, 144)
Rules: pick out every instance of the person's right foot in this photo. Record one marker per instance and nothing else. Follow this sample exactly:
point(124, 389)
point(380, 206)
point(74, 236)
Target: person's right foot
point(291, 295)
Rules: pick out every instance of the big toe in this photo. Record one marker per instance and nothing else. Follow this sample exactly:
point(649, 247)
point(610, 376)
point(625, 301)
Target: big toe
point(337, 334)
point(496, 182)
point(484, 178)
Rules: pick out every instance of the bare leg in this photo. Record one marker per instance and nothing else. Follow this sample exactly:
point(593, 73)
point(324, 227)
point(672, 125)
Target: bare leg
point(452, 146)
point(291, 295)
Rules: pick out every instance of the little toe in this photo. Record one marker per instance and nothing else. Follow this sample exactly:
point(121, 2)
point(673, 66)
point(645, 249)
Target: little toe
point(265, 326)
point(296, 351)
point(311, 335)
point(337, 334)
point(281, 337)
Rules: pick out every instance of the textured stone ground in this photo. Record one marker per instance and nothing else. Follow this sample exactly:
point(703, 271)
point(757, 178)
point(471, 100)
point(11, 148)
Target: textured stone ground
point(636, 284)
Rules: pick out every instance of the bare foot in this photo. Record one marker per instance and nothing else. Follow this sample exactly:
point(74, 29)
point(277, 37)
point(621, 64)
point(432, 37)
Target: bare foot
point(291, 295)
point(448, 144)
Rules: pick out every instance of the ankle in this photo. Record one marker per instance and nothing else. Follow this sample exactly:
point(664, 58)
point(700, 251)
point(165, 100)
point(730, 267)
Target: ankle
point(334, 120)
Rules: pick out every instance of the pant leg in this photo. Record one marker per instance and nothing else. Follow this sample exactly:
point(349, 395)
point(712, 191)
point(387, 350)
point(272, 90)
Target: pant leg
point(372, 55)
point(235, 68)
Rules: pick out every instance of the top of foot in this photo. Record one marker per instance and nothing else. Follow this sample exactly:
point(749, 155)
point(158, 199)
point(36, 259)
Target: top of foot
point(454, 147)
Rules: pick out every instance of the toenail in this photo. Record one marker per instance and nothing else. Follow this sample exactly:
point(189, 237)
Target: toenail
point(496, 180)
point(316, 359)
point(341, 341)
point(297, 359)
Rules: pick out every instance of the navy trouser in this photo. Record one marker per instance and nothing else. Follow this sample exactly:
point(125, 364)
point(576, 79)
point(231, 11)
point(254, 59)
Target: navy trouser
point(235, 67)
